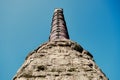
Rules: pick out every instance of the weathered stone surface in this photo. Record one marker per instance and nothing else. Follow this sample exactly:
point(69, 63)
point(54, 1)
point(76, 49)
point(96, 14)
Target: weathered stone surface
point(60, 60)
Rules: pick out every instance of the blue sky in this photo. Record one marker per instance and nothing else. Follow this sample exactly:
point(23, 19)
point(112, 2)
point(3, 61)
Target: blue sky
point(94, 24)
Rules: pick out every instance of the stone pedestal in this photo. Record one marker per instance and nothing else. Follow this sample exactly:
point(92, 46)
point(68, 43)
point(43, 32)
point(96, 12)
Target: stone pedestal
point(60, 60)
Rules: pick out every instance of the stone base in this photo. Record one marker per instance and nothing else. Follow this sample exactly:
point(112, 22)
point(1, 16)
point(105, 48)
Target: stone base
point(60, 60)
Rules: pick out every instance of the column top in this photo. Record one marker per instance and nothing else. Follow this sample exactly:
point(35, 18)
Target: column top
point(58, 9)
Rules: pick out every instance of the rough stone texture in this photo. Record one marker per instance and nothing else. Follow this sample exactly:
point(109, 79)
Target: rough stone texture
point(60, 60)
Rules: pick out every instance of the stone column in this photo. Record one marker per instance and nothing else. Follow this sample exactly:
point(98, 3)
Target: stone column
point(58, 26)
